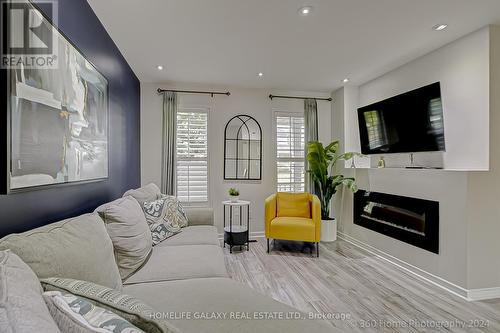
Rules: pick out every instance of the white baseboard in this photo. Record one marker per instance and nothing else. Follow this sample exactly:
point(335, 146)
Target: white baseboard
point(258, 234)
point(483, 293)
point(467, 294)
point(253, 235)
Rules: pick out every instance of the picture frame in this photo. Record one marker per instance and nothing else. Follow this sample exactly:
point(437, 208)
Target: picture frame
point(56, 122)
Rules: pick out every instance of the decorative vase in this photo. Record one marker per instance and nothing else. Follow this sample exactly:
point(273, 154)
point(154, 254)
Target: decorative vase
point(234, 198)
point(329, 230)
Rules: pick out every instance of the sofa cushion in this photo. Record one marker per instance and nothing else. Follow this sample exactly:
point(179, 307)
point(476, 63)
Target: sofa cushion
point(126, 225)
point(194, 235)
point(149, 192)
point(77, 248)
point(76, 314)
point(293, 205)
point(181, 262)
point(131, 308)
point(199, 215)
point(225, 296)
point(22, 309)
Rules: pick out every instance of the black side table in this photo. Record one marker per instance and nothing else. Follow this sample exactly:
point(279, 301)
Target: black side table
point(236, 233)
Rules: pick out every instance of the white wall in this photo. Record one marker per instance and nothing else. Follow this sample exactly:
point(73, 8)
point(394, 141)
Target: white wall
point(483, 193)
point(253, 102)
point(462, 67)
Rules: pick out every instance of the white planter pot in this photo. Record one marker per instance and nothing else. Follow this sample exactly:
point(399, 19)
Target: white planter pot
point(234, 198)
point(328, 230)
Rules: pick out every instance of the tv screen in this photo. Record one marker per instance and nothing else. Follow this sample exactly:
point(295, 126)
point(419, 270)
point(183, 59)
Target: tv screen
point(407, 123)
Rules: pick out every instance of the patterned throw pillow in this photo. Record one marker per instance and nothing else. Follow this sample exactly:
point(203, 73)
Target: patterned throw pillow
point(165, 217)
point(127, 307)
point(77, 315)
point(176, 210)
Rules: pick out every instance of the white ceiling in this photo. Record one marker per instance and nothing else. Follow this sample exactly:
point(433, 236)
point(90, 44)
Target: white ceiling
point(227, 42)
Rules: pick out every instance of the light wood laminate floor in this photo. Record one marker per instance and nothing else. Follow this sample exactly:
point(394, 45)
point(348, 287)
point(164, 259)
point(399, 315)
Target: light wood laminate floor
point(361, 292)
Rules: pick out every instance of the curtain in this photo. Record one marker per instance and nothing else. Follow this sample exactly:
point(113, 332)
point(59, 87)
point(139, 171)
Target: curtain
point(311, 134)
point(169, 133)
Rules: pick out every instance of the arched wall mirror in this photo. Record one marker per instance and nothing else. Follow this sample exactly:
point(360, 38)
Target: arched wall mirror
point(242, 149)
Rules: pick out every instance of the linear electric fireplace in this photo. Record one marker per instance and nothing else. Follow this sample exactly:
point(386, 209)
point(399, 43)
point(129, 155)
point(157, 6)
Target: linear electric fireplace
point(411, 220)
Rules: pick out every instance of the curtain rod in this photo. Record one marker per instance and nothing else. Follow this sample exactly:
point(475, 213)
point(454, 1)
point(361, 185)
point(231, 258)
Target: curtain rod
point(212, 93)
point(297, 97)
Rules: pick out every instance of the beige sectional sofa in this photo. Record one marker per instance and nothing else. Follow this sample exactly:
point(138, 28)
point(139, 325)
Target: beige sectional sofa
point(184, 279)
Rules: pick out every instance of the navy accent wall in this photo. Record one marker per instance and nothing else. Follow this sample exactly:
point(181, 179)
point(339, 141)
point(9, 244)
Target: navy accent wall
point(27, 210)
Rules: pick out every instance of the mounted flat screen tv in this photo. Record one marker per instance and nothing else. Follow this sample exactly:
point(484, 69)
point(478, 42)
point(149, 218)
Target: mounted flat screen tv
point(407, 123)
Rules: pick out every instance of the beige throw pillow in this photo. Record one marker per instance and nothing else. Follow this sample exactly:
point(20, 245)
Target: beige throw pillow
point(148, 192)
point(127, 227)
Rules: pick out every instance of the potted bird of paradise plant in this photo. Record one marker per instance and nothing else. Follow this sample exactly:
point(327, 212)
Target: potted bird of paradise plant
point(321, 165)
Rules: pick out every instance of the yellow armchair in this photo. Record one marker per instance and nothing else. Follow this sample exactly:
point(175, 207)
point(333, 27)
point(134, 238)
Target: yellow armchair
point(293, 216)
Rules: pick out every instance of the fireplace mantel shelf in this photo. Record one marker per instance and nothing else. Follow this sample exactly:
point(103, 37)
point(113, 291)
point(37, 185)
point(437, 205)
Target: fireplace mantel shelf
point(426, 169)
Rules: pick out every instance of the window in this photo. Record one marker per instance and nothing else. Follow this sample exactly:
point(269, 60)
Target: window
point(192, 156)
point(376, 129)
point(290, 137)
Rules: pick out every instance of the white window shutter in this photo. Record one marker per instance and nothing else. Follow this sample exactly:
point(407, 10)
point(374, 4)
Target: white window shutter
point(192, 155)
point(290, 145)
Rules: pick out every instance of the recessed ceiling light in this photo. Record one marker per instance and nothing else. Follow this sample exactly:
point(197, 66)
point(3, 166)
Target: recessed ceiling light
point(439, 27)
point(160, 67)
point(304, 11)
point(345, 80)
point(261, 74)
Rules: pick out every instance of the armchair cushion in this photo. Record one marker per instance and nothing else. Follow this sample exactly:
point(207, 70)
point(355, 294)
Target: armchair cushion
point(293, 228)
point(294, 205)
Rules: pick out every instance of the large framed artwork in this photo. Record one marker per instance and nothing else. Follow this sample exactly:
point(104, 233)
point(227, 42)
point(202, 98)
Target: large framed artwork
point(57, 123)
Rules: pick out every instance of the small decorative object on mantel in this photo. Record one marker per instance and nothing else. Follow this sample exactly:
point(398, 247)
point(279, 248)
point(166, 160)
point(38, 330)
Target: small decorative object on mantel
point(321, 160)
point(353, 164)
point(381, 163)
point(234, 194)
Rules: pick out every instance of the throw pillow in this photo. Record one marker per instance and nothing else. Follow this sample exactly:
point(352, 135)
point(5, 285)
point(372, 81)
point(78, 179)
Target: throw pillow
point(78, 248)
point(22, 308)
point(127, 307)
point(162, 219)
point(127, 227)
point(175, 210)
point(77, 315)
point(149, 192)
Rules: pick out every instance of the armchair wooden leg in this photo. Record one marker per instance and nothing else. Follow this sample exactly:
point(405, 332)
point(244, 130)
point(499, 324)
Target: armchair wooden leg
point(317, 249)
point(267, 245)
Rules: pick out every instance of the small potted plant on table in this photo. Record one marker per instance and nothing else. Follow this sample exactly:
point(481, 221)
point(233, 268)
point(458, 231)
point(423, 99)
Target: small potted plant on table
point(322, 161)
point(234, 194)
